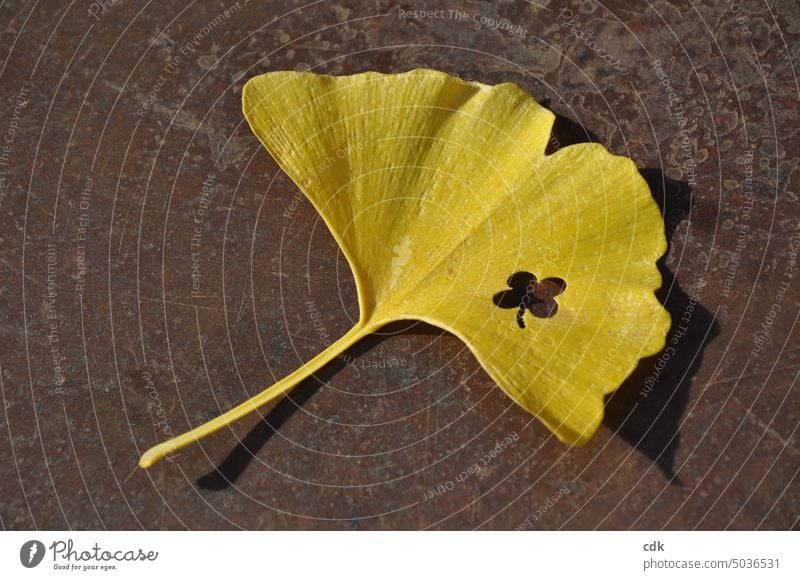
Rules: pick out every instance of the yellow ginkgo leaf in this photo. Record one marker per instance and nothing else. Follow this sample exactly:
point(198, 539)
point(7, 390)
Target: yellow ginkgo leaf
point(442, 199)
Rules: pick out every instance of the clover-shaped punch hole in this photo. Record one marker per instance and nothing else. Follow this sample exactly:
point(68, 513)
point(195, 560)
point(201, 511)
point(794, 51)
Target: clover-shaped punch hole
point(527, 293)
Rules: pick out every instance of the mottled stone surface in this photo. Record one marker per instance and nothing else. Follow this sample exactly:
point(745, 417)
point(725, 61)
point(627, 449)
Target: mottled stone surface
point(121, 131)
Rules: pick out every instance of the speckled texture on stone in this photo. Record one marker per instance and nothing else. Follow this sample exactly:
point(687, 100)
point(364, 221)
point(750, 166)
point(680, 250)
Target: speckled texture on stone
point(124, 151)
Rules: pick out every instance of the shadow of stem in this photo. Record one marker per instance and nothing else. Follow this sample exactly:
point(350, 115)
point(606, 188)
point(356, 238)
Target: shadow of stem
point(229, 470)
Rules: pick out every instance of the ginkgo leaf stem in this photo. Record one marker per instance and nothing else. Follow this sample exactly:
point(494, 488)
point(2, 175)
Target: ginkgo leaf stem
point(158, 452)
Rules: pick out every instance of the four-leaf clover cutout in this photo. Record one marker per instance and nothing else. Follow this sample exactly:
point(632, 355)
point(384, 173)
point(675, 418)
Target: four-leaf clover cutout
point(527, 293)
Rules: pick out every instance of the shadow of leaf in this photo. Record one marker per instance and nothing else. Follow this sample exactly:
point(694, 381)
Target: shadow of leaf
point(648, 407)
